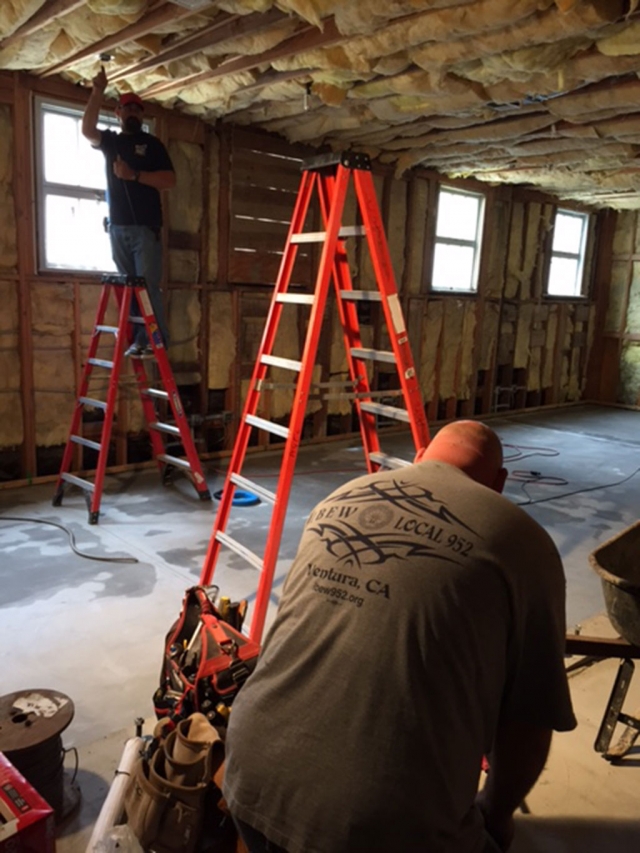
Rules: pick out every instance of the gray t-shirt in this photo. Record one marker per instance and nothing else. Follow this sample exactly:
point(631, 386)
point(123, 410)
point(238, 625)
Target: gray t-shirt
point(420, 607)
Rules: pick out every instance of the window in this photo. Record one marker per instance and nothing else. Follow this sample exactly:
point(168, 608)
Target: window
point(456, 258)
point(566, 271)
point(71, 192)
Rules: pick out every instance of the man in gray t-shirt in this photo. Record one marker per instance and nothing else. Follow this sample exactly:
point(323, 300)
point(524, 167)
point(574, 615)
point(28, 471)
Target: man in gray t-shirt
point(421, 627)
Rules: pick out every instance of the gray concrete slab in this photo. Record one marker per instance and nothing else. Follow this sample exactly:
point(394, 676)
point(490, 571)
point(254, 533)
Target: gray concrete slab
point(95, 629)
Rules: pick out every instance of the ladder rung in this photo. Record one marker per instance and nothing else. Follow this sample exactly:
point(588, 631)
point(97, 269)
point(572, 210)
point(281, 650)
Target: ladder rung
point(254, 488)
point(78, 481)
point(86, 442)
point(248, 555)
point(174, 460)
point(388, 461)
point(321, 236)
point(168, 428)
point(386, 411)
point(156, 392)
point(267, 426)
point(374, 355)
point(101, 362)
point(113, 329)
point(138, 320)
point(361, 295)
point(286, 363)
point(91, 401)
point(296, 298)
point(361, 395)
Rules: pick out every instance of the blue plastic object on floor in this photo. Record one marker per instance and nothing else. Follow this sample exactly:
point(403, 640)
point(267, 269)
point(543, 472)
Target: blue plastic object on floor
point(240, 498)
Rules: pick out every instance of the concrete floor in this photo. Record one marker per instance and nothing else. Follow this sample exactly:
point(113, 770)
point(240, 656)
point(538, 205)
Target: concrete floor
point(95, 630)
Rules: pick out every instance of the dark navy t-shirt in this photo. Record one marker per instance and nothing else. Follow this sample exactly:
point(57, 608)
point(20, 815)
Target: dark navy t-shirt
point(130, 202)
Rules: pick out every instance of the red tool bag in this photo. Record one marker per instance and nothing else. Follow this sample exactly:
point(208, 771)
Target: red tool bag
point(207, 659)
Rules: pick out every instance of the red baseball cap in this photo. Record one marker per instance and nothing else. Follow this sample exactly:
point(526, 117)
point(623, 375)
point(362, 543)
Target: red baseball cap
point(130, 98)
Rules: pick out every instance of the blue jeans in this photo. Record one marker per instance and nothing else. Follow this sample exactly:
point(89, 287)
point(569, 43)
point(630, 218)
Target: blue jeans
point(137, 251)
point(256, 842)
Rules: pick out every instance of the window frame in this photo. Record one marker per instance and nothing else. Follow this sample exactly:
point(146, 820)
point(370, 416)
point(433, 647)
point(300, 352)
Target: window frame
point(475, 244)
point(43, 188)
point(580, 256)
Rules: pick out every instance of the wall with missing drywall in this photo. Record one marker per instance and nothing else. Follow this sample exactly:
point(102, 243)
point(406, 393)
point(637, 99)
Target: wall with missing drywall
point(506, 347)
point(622, 322)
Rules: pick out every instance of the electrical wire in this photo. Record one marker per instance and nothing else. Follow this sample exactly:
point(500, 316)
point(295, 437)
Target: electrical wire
point(535, 451)
point(72, 539)
point(575, 491)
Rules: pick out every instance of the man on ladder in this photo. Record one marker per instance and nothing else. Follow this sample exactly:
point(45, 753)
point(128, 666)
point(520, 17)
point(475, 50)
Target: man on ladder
point(138, 168)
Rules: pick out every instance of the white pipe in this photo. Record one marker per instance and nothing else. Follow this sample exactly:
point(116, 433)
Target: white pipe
point(113, 806)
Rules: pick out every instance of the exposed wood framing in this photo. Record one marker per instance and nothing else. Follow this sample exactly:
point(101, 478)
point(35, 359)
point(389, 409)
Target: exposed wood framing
point(448, 332)
point(22, 183)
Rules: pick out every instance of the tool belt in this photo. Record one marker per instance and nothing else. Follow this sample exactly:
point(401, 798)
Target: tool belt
point(172, 802)
point(207, 659)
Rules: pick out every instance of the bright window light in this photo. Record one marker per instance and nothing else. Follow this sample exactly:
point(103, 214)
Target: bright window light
point(566, 270)
point(456, 257)
point(72, 187)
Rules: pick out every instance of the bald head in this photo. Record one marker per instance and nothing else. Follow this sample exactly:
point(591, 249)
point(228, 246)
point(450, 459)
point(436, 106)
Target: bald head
point(471, 446)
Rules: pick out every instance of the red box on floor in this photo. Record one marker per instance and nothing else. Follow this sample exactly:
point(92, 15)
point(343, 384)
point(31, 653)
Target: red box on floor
point(27, 823)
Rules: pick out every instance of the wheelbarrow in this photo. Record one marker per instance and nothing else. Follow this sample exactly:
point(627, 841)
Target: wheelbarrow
point(617, 562)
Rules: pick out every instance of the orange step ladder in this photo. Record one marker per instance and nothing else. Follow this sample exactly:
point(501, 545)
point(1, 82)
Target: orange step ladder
point(123, 288)
point(330, 176)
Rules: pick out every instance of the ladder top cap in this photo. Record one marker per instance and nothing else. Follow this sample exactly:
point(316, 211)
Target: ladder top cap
point(348, 159)
point(124, 280)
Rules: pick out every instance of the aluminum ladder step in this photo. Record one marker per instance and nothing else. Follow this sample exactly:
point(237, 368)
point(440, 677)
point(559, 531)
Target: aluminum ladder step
point(361, 295)
point(112, 329)
point(170, 429)
point(101, 362)
point(390, 412)
point(86, 442)
point(78, 481)
point(321, 236)
point(91, 401)
point(267, 426)
point(296, 298)
point(253, 488)
point(174, 460)
point(286, 363)
point(374, 355)
point(245, 553)
point(156, 392)
point(386, 461)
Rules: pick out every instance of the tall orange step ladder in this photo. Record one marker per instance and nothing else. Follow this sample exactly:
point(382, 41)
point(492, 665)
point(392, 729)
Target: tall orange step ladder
point(123, 288)
point(330, 176)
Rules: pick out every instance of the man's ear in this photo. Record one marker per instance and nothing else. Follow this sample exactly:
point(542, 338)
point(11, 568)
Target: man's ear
point(500, 480)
